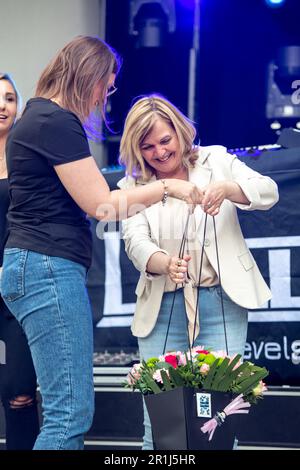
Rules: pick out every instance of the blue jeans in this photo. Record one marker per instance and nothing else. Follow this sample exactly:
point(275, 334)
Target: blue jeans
point(211, 331)
point(48, 297)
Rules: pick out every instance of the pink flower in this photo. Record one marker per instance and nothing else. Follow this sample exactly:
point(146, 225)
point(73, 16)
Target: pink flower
point(157, 375)
point(134, 375)
point(182, 359)
point(204, 369)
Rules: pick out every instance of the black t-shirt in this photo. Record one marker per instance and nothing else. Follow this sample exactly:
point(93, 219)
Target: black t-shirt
point(42, 215)
point(4, 203)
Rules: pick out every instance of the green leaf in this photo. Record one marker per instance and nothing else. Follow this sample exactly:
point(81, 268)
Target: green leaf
point(166, 381)
point(210, 376)
point(224, 383)
point(151, 384)
point(176, 377)
point(163, 365)
point(219, 375)
point(252, 381)
point(228, 381)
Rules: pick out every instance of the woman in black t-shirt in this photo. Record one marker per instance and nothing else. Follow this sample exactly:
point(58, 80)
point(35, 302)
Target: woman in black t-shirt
point(54, 181)
point(17, 376)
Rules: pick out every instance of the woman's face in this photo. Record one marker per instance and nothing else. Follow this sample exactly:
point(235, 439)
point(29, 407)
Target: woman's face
point(161, 150)
point(8, 106)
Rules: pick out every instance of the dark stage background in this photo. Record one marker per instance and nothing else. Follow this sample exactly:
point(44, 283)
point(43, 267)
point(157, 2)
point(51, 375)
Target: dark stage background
point(238, 39)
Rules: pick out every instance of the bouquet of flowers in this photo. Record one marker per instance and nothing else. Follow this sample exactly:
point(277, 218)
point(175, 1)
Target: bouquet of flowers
point(197, 372)
point(196, 385)
point(198, 368)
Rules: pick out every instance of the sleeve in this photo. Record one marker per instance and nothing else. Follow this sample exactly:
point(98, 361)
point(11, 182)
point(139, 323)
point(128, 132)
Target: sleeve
point(137, 239)
point(260, 190)
point(63, 139)
point(138, 244)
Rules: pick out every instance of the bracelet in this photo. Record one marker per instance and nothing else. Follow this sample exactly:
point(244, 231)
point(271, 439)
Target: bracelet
point(166, 194)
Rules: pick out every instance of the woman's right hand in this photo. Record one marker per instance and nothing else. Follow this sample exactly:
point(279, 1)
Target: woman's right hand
point(178, 269)
point(184, 190)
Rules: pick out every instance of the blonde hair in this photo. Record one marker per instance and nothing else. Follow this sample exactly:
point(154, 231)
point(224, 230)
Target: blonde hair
point(8, 78)
point(72, 75)
point(139, 123)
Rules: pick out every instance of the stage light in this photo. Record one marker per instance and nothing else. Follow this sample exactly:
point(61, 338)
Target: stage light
point(283, 95)
point(275, 3)
point(150, 21)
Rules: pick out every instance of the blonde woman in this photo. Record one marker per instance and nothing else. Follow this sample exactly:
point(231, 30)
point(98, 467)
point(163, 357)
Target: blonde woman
point(158, 143)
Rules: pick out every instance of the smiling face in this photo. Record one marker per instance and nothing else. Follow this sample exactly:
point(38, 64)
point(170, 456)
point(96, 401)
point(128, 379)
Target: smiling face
point(8, 106)
point(161, 150)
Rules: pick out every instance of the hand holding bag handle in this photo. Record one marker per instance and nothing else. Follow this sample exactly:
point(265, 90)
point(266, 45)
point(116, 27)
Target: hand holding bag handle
point(180, 255)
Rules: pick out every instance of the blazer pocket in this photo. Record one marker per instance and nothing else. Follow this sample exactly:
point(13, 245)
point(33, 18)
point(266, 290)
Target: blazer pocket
point(140, 287)
point(246, 260)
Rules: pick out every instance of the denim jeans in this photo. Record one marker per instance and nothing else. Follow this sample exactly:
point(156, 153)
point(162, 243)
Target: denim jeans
point(211, 331)
point(48, 297)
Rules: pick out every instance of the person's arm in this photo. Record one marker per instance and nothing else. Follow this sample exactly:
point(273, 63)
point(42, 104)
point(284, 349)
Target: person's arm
point(144, 252)
point(215, 193)
point(162, 263)
point(87, 186)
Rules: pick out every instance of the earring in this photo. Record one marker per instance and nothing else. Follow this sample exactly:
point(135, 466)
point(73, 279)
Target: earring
point(97, 103)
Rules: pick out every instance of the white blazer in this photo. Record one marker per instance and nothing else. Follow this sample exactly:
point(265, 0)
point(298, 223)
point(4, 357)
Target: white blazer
point(240, 276)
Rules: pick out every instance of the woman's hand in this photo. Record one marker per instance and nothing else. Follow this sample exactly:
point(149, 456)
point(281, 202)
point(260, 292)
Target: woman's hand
point(215, 193)
point(178, 269)
point(184, 190)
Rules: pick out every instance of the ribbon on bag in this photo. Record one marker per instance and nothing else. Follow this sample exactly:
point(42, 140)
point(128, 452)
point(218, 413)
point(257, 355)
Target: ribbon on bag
point(235, 406)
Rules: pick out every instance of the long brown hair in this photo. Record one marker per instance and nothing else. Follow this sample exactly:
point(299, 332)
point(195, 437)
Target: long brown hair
point(72, 75)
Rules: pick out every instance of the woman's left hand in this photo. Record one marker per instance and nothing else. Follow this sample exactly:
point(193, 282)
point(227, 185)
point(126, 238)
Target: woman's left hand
point(214, 195)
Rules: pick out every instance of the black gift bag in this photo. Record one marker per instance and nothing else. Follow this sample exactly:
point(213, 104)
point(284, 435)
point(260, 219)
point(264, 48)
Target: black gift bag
point(177, 417)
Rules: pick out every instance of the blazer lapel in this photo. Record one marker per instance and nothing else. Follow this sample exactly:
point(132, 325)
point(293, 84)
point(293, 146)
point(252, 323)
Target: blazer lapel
point(201, 176)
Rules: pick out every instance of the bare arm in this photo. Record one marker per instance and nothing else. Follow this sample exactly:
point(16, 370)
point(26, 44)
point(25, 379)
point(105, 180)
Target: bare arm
point(87, 186)
point(160, 263)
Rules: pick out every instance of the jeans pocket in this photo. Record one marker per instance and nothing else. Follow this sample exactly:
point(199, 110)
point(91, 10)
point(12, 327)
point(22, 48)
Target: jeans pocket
point(13, 274)
point(224, 296)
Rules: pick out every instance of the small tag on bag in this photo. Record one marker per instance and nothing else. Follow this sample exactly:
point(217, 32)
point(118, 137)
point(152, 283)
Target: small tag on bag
point(203, 401)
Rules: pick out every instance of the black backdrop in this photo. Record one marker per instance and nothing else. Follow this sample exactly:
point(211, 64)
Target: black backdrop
point(238, 39)
point(274, 239)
